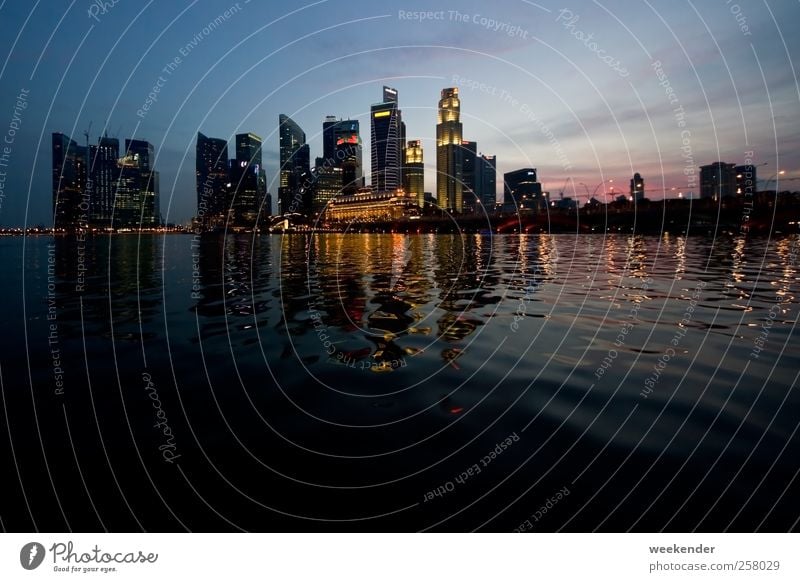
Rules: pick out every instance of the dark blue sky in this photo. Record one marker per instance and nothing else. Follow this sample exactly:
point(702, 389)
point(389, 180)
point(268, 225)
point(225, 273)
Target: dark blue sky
point(572, 89)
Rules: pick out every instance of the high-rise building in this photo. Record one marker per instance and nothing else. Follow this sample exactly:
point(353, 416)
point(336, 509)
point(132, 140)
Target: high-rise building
point(294, 166)
point(103, 174)
point(248, 181)
point(348, 155)
point(522, 191)
point(69, 183)
point(414, 172)
point(469, 154)
point(717, 180)
point(387, 150)
point(325, 185)
point(449, 176)
point(486, 181)
point(137, 187)
point(746, 180)
point(637, 187)
point(329, 139)
point(211, 171)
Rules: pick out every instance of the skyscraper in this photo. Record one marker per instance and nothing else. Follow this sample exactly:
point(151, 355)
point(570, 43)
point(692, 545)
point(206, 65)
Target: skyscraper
point(329, 139)
point(449, 170)
point(248, 181)
point(637, 187)
point(293, 167)
point(414, 172)
point(211, 171)
point(717, 180)
point(387, 150)
point(69, 183)
point(103, 174)
point(325, 185)
point(469, 154)
point(486, 181)
point(136, 188)
point(348, 155)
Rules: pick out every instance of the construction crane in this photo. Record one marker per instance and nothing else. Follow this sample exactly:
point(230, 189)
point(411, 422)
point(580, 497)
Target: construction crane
point(563, 188)
point(88, 149)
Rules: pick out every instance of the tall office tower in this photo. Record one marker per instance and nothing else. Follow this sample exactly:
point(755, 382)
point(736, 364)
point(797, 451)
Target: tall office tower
point(292, 139)
point(637, 187)
point(402, 149)
point(248, 181)
point(717, 180)
point(103, 174)
point(414, 172)
point(522, 191)
point(486, 181)
point(746, 180)
point(329, 140)
point(469, 154)
point(300, 179)
point(326, 184)
point(348, 155)
point(136, 188)
point(449, 171)
point(69, 183)
point(387, 154)
point(211, 172)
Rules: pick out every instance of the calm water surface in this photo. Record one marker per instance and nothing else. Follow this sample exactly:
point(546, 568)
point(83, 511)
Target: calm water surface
point(384, 382)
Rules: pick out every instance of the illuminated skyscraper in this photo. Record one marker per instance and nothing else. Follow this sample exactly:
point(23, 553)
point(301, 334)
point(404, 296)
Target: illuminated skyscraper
point(469, 155)
point(69, 183)
point(486, 181)
point(348, 154)
point(103, 174)
point(414, 172)
point(248, 181)
point(387, 148)
point(449, 170)
point(328, 138)
point(211, 172)
point(294, 168)
point(136, 202)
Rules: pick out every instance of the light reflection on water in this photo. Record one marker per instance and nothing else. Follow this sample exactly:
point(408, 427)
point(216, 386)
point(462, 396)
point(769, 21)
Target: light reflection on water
point(398, 351)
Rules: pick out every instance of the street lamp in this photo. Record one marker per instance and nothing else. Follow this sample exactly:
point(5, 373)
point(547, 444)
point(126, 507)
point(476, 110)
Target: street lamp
point(774, 177)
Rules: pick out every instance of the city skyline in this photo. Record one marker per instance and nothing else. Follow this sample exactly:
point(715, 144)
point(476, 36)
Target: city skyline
point(569, 116)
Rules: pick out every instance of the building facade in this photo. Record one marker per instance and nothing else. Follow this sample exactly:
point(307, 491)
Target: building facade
point(637, 188)
point(295, 160)
point(522, 191)
point(717, 181)
point(469, 161)
point(368, 206)
point(414, 172)
point(486, 182)
point(387, 131)
point(449, 167)
point(103, 174)
point(137, 187)
point(348, 155)
point(211, 176)
point(248, 182)
point(70, 197)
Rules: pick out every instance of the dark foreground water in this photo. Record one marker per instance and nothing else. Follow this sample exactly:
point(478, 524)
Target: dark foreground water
point(387, 382)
